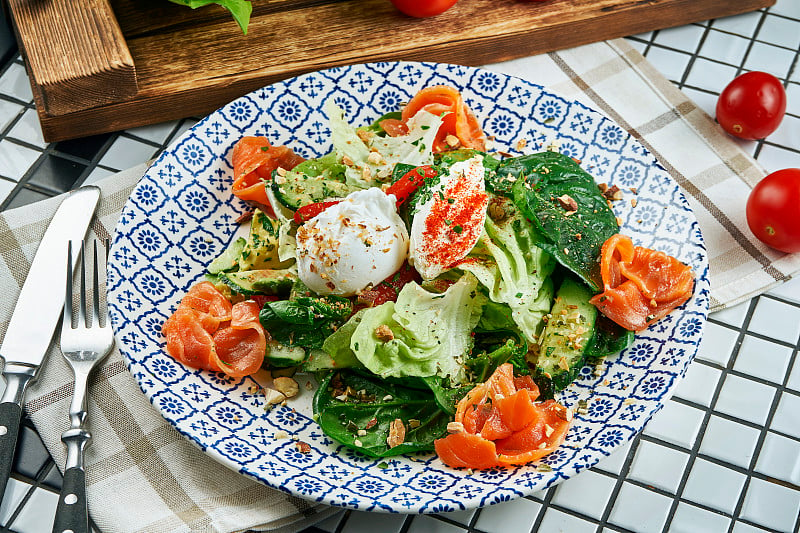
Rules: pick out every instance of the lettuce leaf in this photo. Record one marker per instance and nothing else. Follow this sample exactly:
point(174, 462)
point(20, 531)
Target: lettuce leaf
point(431, 332)
point(514, 270)
point(415, 148)
point(240, 9)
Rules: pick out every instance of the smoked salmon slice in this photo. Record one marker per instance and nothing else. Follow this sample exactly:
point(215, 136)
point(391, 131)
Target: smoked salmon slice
point(503, 424)
point(254, 159)
point(209, 333)
point(241, 346)
point(458, 119)
point(641, 286)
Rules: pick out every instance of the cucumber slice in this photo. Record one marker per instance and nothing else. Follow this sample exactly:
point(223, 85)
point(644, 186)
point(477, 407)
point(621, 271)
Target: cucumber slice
point(569, 329)
point(250, 282)
point(311, 181)
point(281, 356)
point(229, 259)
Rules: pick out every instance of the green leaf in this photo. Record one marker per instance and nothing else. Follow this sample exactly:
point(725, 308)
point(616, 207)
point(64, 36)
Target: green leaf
point(304, 321)
point(382, 401)
point(239, 9)
point(574, 238)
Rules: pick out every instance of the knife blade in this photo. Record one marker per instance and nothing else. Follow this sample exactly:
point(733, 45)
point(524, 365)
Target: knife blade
point(37, 313)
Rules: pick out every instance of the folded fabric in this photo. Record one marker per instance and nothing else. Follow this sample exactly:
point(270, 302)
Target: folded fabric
point(144, 476)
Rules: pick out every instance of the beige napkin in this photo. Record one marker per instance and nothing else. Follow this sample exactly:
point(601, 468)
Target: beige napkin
point(143, 476)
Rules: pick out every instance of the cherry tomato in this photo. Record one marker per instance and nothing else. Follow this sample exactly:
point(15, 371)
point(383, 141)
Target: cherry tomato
point(410, 182)
point(773, 210)
point(309, 211)
point(423, 8)
point(388, 289)
point(752, 105)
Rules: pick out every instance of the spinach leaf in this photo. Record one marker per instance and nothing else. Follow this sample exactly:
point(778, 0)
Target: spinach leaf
point(573, 236)
point(446, 396)
point(304, 321)
point(608, 338)
point(240, 9)
point(349, 401)
point(492, 349)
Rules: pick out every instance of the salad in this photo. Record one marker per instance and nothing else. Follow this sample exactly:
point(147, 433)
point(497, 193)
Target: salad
point(441, 293)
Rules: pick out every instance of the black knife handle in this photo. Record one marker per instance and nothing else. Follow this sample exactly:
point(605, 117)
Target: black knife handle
point(10, 418)
point(72, 513)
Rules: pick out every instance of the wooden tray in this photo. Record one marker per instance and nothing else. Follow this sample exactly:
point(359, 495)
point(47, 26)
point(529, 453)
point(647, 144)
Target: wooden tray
point(105, 65)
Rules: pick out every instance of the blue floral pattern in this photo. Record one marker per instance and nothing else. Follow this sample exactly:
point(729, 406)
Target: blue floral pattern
point(181, 215)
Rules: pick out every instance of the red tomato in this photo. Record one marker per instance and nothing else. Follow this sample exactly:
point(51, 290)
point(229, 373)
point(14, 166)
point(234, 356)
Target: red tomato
point(773, 210)
point(423, 8)
point(752, 105)
point(410, 182)
point(309, 211)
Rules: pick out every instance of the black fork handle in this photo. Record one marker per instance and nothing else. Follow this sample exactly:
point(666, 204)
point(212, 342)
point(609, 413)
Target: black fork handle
point(72, 513)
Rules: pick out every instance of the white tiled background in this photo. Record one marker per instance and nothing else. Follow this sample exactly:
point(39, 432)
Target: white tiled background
point(722, 456)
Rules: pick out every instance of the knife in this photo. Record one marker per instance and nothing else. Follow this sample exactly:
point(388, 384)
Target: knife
point(37, 313)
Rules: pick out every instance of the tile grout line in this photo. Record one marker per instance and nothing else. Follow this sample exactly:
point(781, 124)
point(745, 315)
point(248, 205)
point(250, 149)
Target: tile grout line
point(695, 450)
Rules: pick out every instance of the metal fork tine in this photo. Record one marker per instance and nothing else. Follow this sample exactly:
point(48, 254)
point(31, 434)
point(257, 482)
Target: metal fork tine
point(82, 297)
point(66, 320)
point(95, 288)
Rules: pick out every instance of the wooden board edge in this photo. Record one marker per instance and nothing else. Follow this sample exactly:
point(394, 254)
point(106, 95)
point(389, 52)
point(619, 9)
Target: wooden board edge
point(200, 101)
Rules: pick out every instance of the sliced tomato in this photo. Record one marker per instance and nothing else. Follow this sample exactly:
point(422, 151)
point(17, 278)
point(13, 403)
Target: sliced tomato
point(254, 160)
point(388, 289)
point(457, 118)
point(641, 286)
point(503, 424)
point(410, 182)
point(309, 211)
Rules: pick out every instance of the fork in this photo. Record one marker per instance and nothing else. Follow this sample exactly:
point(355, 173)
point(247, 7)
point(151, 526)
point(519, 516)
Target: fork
point(84, 346)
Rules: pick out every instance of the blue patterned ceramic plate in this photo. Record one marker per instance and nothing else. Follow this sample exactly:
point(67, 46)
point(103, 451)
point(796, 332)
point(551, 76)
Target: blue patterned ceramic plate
point(181, 215)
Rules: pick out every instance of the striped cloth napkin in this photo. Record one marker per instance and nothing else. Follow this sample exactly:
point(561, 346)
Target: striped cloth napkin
point(145, 477)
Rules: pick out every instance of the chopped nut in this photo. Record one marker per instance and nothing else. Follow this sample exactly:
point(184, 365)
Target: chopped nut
point(562, 363)
point(452, 141)
point(357, 443)
point(364, 135)
point(397, 433)
point(610, 193)
point(286, 386)
point(374, 158)
point(567, 202)
point(280, 434)
point(280, 171)
point(388, 398)
point(366, 173)
point(634, 201)
point(273, 397)
point(499, 209)
point(455, 427)
point(302, 447)
point(371, 424)
point(521, 143)
point(384, 333)
point(362, 432)
point(619, 221)
point(347, 161)
point(413, 423)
